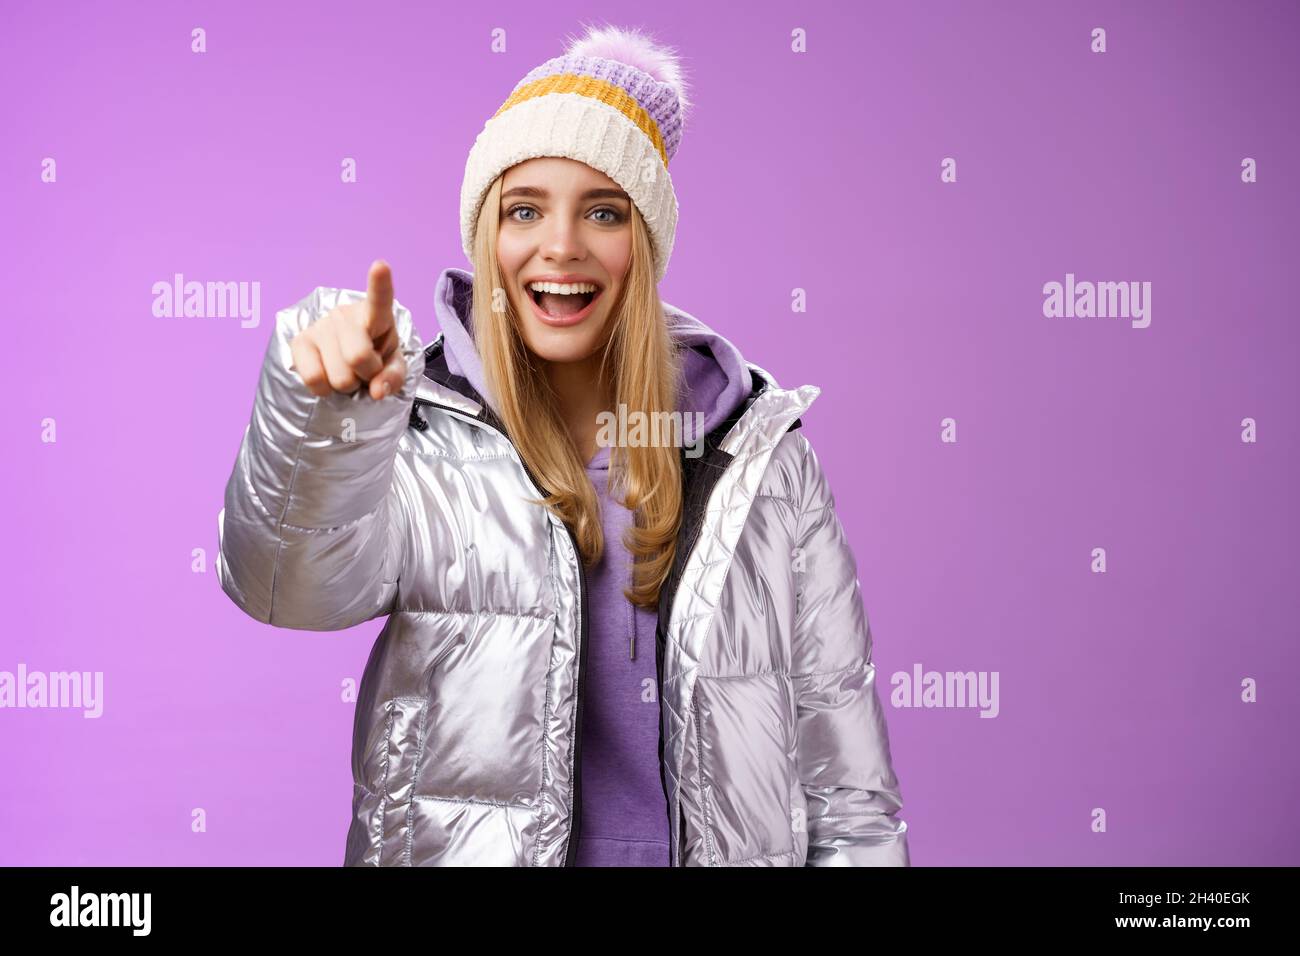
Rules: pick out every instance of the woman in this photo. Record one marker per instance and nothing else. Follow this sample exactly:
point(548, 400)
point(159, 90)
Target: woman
point(513, 711)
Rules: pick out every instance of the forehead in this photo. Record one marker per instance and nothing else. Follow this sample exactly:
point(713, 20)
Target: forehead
point(556, 173)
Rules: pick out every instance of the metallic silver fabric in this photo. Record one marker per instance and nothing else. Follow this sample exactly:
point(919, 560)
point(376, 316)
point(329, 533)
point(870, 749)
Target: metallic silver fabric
point(775, 742)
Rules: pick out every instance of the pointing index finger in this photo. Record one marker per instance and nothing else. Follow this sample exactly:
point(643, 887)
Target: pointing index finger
point(379, 297)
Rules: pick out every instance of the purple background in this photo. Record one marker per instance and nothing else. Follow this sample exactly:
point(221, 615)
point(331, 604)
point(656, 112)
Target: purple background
point(818, 171)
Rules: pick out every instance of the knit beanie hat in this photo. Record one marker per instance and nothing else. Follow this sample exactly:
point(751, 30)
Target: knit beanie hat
point(614, 100)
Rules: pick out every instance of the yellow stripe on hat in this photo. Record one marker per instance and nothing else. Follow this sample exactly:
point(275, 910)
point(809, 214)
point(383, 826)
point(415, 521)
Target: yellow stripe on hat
point(606, 92)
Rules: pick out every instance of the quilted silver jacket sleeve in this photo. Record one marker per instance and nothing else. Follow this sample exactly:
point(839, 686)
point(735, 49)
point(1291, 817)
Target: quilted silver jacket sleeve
point(312, 528)
point(845, 767)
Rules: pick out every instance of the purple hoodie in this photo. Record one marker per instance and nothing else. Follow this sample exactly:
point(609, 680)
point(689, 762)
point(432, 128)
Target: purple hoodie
point(624, 814)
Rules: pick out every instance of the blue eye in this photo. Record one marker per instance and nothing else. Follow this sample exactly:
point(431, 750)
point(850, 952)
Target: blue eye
point(616, 217)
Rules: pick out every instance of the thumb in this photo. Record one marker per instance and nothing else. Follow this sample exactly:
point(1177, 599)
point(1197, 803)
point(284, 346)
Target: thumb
point(390, 379)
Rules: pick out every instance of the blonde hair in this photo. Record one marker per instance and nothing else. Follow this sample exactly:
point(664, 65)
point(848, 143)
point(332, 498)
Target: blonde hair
point(640, 370)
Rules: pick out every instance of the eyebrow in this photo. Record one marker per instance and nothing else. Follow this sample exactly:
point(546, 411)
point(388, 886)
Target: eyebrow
point(539, 193)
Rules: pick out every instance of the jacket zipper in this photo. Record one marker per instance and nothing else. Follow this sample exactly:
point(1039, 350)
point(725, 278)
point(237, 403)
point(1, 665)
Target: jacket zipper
point(663, 774)
point(570, 850)
point(575, 818)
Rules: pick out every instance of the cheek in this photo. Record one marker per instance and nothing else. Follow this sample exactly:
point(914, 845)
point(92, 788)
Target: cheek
point(509, 259)
point(617, 256)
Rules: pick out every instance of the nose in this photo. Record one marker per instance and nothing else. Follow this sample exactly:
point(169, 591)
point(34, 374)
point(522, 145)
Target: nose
point(562, 241)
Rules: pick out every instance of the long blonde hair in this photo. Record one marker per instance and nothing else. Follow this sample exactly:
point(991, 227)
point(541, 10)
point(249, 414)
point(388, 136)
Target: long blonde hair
point(640, 370)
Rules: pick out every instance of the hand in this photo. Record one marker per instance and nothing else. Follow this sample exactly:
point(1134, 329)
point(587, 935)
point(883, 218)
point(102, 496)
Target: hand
point(354, 344)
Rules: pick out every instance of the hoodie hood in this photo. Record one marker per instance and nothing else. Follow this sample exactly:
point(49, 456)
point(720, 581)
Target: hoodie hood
point(716, 377)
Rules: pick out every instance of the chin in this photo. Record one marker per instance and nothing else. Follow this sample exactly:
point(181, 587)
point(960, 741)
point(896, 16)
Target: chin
point(562, 345)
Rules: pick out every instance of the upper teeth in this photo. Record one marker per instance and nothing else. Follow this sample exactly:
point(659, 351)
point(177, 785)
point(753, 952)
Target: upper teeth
point(563, 288)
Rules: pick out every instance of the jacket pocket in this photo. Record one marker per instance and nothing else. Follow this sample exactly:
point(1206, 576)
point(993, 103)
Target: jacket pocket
point(744, 743)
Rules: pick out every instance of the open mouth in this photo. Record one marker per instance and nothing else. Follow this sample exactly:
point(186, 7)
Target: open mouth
point(551, 300)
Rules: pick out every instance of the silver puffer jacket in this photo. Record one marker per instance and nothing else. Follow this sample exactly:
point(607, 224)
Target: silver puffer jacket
point(467, 744)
